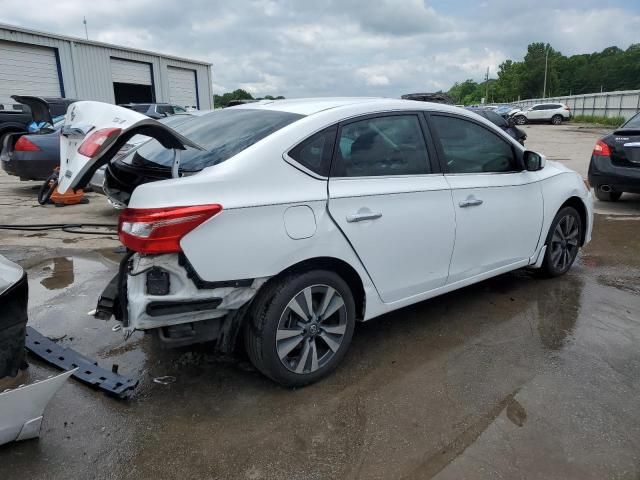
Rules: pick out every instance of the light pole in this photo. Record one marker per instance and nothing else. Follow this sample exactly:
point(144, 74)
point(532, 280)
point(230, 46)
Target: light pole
point(486, 81)
point(546, 61)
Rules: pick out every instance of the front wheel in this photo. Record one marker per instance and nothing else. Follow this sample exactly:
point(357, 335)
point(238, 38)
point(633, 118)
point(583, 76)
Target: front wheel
point(300, 327)
point(520, 120)
point(563, 242)
point(556, 119)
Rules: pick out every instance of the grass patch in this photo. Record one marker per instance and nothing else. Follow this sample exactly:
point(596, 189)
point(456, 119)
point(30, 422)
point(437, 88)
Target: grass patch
point(599, 120)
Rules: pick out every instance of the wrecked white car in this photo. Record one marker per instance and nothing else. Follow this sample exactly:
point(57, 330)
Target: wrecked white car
point(289, 220)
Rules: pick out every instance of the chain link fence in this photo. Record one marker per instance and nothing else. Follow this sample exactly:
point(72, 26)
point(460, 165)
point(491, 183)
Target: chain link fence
point(606, 104)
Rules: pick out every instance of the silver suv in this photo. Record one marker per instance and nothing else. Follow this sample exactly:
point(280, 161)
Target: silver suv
point(554, 113)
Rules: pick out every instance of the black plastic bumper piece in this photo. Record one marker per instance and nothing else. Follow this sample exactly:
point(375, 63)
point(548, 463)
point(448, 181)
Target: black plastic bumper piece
point(88, 371)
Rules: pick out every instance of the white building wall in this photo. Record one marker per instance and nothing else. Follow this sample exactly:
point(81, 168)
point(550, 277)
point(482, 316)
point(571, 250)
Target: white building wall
point(86, 66)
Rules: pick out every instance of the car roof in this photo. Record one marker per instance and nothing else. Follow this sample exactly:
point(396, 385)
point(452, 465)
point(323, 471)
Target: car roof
point(310, 106)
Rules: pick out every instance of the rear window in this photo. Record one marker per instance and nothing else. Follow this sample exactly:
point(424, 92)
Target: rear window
point(633, 123)
point(496, 119)
point(223, 133)
point(142, 108)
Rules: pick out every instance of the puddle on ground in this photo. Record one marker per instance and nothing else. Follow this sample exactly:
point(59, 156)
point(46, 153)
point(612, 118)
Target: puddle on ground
point(60, 273)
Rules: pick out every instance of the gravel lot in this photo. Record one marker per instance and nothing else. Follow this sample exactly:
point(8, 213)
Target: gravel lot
point(515, 377)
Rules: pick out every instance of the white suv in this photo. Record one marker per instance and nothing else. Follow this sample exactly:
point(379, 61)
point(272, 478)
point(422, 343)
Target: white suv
point(287, 221)
point(554, 113)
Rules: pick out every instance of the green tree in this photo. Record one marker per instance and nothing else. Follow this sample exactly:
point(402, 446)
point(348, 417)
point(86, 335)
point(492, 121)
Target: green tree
point(220, 101)
point(609, 70)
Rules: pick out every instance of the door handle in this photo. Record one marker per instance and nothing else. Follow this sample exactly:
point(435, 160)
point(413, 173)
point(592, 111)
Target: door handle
point(474, 202)
point(359, 217)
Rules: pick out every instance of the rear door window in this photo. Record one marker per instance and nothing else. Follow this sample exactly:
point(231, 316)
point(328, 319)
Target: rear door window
point(380, 146)
point(223, 133)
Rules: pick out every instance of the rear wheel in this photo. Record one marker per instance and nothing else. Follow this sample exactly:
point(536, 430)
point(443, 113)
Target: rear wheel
point(563, 242)
point(556, 119)
point(520, 120)
point(300, 327)
point(607, 196)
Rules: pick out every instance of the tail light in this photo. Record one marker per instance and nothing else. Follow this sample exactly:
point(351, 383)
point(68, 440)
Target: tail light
point(159, 230)
point(91, 145)
point(25, 145)
point(601, 149)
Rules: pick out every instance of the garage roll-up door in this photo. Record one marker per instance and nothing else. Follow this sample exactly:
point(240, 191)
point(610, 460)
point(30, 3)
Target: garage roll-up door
point(182, 87)
point(126, 71)
point(27, 70)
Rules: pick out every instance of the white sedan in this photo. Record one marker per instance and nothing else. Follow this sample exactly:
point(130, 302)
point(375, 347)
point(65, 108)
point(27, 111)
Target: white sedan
point(288, 221)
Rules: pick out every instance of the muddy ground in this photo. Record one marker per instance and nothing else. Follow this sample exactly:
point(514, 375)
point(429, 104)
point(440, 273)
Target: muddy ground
point(515, 377)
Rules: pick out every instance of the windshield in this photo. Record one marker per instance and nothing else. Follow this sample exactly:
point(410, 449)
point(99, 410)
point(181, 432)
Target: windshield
point(223, 133)
point(632, 123)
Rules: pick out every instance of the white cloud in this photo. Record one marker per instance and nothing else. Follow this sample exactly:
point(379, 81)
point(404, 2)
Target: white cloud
point(339, 47)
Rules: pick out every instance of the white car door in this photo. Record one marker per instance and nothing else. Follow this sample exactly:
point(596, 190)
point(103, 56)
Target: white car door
point(498, 206)
point(393, 207)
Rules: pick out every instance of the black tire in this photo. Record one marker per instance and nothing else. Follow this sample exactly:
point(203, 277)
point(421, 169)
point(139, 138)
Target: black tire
point(272, 306)
point(556, 119)
point(607, 196)
point(520, 120)
point(552, 264)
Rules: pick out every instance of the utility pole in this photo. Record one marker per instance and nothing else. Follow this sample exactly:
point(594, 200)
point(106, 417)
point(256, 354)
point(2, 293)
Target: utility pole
point(86, 33)
point(486, 81)
point(546, 61)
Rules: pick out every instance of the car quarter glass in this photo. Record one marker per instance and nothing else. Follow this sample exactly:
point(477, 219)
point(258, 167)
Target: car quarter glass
point(470, 148)
point(315, 152)
point(381, 146)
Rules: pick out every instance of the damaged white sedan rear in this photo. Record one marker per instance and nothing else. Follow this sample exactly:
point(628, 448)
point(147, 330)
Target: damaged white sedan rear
point(287, 221)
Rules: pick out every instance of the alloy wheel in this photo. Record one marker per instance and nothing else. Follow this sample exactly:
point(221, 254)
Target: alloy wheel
point(311, 329)
point(564, 242)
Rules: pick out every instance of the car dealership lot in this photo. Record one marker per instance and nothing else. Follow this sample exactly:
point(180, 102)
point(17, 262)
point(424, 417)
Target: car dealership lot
point(511, 377)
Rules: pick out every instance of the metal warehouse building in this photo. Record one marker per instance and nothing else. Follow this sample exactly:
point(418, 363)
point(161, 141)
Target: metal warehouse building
point(48, 65)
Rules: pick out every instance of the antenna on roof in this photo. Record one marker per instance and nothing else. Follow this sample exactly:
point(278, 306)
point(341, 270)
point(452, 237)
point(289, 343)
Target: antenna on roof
point(86, 33)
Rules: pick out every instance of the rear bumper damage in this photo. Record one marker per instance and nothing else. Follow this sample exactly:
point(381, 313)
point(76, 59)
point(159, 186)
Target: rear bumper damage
point(163, 292)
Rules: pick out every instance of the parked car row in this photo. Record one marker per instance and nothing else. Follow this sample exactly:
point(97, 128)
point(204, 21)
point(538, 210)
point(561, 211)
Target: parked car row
point(267, 220)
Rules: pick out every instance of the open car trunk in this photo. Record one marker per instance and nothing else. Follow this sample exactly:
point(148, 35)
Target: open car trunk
point(94, 132)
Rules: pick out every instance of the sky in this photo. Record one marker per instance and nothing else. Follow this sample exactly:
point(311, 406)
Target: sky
point(339, 47)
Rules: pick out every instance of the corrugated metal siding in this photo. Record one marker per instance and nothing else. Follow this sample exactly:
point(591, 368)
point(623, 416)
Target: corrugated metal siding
point(126, 71)
point(27, 70)
point(86, 67)
point(182, 87)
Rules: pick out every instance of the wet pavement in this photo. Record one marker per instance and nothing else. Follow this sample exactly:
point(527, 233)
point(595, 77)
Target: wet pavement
point(515, 377)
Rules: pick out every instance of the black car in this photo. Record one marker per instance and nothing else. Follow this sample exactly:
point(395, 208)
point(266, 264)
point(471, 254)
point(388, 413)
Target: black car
point(506, 124)
point(154, 110)
point(615, 162)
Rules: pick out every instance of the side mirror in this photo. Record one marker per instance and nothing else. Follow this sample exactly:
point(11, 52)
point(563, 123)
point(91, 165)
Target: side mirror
point(533, 161)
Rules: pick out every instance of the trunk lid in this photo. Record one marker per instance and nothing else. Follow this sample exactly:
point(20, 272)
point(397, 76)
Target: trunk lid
point(38, 106)
point(82, 126)
point(625, 148)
